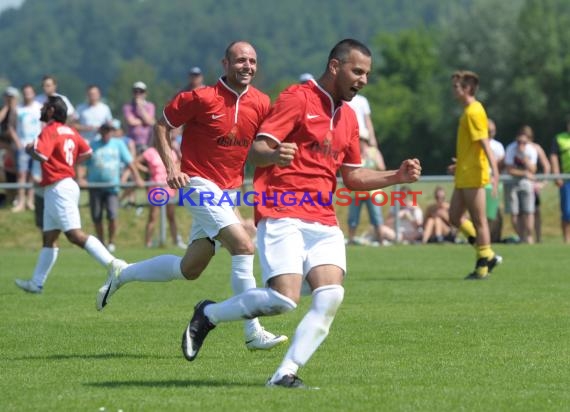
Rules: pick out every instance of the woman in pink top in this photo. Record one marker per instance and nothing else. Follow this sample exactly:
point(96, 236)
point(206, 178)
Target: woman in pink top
point(150, 162)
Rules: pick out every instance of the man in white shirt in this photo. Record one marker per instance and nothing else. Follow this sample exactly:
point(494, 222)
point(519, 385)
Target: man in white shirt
point(28, 129)
point(49, 86)
point(92, 114)
point(361, 107)
point(520, 162)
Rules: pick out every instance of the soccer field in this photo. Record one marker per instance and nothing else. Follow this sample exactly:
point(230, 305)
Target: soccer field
point(411, 335)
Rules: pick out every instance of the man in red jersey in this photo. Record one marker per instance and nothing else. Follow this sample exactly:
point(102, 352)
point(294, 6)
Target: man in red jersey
point(220, 123)
point(309, 134)
point(59, 148)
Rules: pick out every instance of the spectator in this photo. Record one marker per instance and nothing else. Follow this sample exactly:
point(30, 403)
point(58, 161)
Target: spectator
point(361, 107)
point(140, 118)
point(28, 128)
point(195, 79)
point(150, 162)
point(9, 139)
point(92, 114)
point(437, 227)
point(49, 86)
point(372, 159)
point(560, 162)
point(305, 77)
point(520, 162)
point(104, 166)
point(493, 202)
point(139, 115)
point(411, 221)
point(544, 164)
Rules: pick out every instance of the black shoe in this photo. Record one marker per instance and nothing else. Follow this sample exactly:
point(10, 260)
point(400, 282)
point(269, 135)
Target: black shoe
point(475, 275)
point(471, 240)
point(495, 261)
point(196, 331)
point(287, 381)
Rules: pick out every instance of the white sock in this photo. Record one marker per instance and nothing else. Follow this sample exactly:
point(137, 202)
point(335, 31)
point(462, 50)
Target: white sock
point(95, 248)
point(242, 280)
point(157, 269)
point(249, 304)
point(46, 260)
point(312, 330)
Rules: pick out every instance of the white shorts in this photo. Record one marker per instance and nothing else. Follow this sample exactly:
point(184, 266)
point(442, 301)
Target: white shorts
point(207, 219)
point(290, 245)
point(61, 211)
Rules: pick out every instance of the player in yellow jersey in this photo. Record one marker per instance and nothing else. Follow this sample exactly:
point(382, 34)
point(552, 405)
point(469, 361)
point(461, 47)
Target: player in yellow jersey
point(473, 158)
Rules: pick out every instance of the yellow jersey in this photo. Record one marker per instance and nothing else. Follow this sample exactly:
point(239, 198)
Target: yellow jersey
point(472, 167)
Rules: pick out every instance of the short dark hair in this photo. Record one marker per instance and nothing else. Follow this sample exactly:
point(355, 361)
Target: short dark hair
point(467, 79)
point(343, 48)
point(59, 108)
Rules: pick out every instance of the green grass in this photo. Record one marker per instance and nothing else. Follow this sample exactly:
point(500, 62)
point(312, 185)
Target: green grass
point(411, 335)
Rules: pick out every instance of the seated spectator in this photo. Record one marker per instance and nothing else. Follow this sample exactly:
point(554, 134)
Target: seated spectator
point(437, 228)
point(411, 220)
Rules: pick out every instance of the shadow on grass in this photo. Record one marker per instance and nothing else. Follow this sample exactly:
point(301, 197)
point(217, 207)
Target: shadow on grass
point(95, 356)
point(174, 383)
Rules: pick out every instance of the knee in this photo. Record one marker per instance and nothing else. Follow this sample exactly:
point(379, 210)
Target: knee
point(243, 247)
point(280, 303)
point(76, 237)
point(327, 299)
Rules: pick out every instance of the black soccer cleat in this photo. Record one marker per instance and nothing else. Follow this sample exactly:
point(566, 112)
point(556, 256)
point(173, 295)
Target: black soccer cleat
point(494, 261)
point(481, 271)
point(196, 331)
point(287, 381)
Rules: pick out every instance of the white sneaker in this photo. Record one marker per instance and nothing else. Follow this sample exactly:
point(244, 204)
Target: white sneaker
point(264, 340)
point(28, 286)
point(180, 243)
point(112, 283)
point(111, 248)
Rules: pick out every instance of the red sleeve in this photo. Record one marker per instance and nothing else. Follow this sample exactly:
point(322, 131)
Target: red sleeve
point(43, 145)
point(82, 146)
point(182, 108)
point(352, 152)
point(284, 116)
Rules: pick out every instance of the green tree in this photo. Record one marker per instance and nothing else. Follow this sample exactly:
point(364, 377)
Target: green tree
point(406, 99)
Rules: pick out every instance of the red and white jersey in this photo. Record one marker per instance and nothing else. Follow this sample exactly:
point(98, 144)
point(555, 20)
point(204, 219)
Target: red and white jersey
point(219, 128)
point(59, 146)
point(326, 137)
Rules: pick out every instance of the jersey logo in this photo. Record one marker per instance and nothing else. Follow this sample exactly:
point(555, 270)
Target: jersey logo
point(64, 130)
point(312, 116)
point(217, 116)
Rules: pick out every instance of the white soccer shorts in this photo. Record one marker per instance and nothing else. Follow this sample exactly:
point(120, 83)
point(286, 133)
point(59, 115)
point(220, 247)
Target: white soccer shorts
point(61, 210)
point(208, 220)
point(290, 245)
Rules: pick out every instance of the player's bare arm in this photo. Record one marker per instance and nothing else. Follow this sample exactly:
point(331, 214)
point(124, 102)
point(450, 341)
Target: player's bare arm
point(175, 178)
point(493, 163)
point(266, 152)
point(358, 178)
point(556, 168)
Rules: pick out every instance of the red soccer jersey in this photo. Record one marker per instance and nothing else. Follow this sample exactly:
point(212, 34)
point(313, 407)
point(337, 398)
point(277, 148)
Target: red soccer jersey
point(326, 137)
point(219, 127)
point(59, 146)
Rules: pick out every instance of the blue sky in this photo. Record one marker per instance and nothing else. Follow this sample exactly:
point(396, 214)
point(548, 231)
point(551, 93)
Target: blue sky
point(4, 4)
